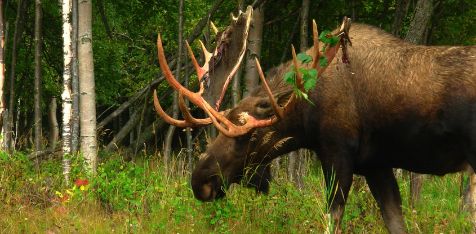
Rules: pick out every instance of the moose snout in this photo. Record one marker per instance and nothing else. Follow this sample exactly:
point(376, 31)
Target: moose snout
point(205, 192)
point(208, 191)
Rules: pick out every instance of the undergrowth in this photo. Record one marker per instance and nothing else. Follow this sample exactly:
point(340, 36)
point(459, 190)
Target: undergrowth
point(141, 196)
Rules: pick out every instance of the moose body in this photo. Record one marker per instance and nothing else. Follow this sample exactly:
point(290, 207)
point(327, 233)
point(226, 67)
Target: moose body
point(395, 105)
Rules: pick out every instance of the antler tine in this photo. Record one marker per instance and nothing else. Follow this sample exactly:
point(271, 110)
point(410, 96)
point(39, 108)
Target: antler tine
point(188, 117)
point(214, 28)
point(231, 130)
point(206, 53)
point(277, 109)
point(331, 51)
point(166, 117)
point(195, 98)
point(315, 36)
point(166, 70)
point(296, 68)
point(200, 71)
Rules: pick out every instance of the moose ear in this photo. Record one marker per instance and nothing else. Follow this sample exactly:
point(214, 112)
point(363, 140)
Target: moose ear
point(283, 97)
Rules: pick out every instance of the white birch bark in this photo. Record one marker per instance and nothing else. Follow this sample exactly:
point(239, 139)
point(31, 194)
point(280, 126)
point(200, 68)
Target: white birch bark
point(66, 95)
point(87, 106)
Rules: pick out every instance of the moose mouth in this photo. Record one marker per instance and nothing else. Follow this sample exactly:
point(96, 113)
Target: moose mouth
point(209, 191)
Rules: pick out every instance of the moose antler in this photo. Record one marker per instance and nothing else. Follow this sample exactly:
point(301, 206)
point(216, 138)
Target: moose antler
point(224, 125)
point(249, 12)
point(218, 119)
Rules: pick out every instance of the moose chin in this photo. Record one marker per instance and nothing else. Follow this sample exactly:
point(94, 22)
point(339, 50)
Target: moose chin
point(391, 105)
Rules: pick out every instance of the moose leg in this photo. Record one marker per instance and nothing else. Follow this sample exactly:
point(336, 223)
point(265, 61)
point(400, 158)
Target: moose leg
point(338, 177)
point(384, 188)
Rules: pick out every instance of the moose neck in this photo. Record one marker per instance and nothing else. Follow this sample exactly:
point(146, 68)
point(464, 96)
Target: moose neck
point(281, 138)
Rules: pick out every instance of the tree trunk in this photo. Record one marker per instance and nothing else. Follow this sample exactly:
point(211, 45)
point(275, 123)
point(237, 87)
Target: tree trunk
point(296, 158)
point(235, 85)
point(171, 130)
point(304, 24)
point(131, 132)
point(66, 95)
point(289, 41)
point(400, 14)
point(21, 10)
point(54, 130)
point(87, 107)
point(75, 81)
point(254, 49)
point(420, 21)
point(2, 74)
point(188, 131)
point(102, 12)
point(416, 32)
point(128, 127)
point(38, 42)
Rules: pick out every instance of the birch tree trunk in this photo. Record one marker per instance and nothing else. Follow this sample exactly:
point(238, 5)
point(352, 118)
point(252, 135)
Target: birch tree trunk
point(87, 106)
point(37, 104)
point(2, 74)
point(170, 131)
point(66, 95)
point(254, 49)
point(75, 81)
point(418, 27)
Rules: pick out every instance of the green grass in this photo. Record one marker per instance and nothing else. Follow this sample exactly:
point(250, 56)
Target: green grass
point(142, 197)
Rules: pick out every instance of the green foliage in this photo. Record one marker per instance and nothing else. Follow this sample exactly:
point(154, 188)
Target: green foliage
point(304, 58)
point(327, 37)
point(323, 61)
point(141, 196)
point(120, 185)
point(309, 75)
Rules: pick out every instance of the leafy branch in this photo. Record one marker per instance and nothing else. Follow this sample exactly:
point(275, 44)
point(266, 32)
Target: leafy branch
point(310, 75)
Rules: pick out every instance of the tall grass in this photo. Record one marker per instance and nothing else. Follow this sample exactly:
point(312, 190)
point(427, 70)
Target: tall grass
point(141, 196)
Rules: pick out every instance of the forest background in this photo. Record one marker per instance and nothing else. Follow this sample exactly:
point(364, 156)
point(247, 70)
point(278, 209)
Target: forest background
point(138, 171)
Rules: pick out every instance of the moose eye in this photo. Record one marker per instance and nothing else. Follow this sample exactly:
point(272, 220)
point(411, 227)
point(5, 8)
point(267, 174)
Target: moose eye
point(263, 105)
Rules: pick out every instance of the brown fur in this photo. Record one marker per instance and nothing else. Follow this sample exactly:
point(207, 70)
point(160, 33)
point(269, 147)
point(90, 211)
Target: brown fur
point(396, 105)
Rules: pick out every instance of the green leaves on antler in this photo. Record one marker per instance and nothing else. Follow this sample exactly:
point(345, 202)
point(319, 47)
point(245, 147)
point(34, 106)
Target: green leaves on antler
point(309, 75)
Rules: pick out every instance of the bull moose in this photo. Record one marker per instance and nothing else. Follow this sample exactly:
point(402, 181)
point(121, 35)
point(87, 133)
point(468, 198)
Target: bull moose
point(394, 105)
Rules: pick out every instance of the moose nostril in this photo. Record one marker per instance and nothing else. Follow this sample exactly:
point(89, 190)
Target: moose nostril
point(207, 192)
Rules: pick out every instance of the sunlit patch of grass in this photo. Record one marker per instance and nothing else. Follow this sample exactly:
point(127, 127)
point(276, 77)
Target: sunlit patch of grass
point(143, 196)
